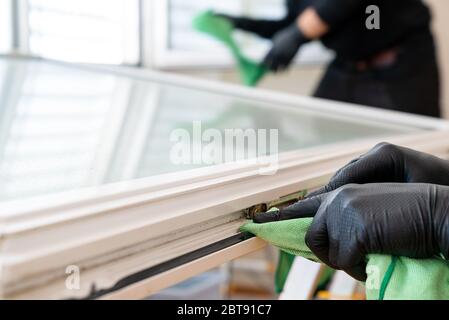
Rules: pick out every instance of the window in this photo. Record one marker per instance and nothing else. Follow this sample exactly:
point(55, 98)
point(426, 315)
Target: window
point(100, 31)
point(5, 26)
point(147, 32)
point(178, 44)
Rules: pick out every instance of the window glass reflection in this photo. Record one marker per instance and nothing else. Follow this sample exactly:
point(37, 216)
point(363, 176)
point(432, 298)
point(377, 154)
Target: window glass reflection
point(63, 128)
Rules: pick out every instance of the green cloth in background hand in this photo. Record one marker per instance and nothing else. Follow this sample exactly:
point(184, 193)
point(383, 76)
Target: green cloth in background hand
point(284, 265)
point(222, 30)
point(285, 262)
point(389, 277)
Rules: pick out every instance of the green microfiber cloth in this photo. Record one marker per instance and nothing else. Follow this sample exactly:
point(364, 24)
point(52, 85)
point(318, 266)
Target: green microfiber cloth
point(389, 278)
point(222, 30)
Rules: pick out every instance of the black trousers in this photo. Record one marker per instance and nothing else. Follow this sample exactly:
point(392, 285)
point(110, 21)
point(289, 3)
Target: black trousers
point(411, 84)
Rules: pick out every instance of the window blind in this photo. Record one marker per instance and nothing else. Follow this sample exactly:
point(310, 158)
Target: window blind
point(100, 31)
point(5, 26)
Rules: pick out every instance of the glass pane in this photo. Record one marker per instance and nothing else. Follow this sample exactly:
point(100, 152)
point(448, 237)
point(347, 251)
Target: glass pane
point(63, 128)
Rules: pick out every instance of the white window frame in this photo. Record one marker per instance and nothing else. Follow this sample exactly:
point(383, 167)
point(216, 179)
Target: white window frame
point(21, 27)
point(160, 56)
point(119, 229)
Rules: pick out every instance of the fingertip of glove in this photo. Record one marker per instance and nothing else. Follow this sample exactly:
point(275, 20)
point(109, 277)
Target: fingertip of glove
point(269, 66)
point(358, 272)
point(266, 217)
point(269, 62)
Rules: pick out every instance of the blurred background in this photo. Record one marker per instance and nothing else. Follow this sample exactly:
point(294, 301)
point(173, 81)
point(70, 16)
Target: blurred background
point(157, 34)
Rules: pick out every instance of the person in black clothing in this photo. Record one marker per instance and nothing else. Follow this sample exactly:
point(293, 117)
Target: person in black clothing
point(393, 67)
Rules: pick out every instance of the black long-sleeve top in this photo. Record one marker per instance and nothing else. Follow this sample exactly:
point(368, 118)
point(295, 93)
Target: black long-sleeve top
point(402, 22)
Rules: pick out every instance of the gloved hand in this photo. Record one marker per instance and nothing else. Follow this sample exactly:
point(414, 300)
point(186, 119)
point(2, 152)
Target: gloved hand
point(390, 163)
point(286, 44)
point(409, 220)
point(263, 28)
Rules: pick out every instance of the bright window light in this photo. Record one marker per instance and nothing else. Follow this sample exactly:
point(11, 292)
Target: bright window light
point(5, 26)
point(92, 31)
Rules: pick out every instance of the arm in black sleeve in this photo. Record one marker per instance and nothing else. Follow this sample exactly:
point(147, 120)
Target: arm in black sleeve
point(263, 27)
point(335, 12)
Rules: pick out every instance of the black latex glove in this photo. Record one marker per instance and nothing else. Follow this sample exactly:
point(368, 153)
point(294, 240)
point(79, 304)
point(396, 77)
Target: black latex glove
point(263, 28)
point(286, 44)
point(390, 163)
point(409, 220)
